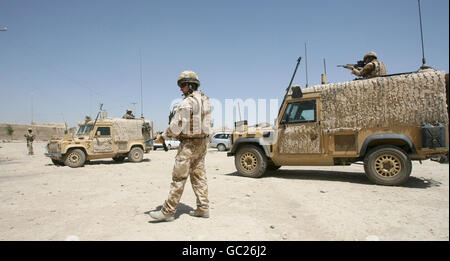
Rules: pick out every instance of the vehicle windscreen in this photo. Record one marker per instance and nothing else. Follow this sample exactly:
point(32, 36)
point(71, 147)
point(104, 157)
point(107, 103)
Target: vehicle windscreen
point(85, 129)
point(88, 129)
point(81, 129)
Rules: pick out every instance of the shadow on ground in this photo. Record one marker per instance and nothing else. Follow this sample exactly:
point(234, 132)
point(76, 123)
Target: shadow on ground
point(103, 162)
point(340, 176)
point(181, 209)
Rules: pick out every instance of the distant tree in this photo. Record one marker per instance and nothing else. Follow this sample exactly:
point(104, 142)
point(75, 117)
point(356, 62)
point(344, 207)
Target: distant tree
point(10, 130)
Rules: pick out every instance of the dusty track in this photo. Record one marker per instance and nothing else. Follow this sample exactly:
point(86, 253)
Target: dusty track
point(109, 201)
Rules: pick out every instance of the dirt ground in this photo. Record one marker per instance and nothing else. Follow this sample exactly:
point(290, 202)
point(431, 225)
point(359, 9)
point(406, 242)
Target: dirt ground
point(105, 200)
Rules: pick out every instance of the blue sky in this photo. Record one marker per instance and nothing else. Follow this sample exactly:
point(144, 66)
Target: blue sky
point(65, 57)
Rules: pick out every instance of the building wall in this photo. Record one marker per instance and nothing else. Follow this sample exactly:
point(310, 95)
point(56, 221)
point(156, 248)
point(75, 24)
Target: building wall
point(42, 131)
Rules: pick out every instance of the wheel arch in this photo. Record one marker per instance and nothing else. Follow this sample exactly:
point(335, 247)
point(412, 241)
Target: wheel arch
point(136, 145)
point(395, 139)
point(248, 141)
point(76, 147)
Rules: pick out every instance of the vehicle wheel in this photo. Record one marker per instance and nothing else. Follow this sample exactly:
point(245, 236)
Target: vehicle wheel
point(250, 161)
point(75, 158)
point(154, 148)
point(136, 154)
point(387, 165)
point(57, 162)
point(119, 159)
point(169, 147)
point(221, 147)
point(272, 167)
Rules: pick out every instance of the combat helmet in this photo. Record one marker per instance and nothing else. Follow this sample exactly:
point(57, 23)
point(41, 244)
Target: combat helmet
point(189, 77)
point(371, 54)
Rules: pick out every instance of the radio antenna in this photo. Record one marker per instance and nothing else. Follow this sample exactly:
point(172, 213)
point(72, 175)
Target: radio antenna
point(142, 101)
point(324, 75)
point(306, 65)
point(424, 66)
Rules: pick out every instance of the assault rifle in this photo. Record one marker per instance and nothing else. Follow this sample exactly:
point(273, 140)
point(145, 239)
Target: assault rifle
point(160, 139)
point(359, 64)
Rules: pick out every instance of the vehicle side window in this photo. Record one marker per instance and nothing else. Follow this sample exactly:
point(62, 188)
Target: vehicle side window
point(300, 112)
point(104, 131)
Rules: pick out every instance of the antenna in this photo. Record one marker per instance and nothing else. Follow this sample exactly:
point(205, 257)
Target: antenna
point(424, 66)
point(134, 106)
point(306, 65)
point(324, 76)
point(142, 102)
point(239, 108)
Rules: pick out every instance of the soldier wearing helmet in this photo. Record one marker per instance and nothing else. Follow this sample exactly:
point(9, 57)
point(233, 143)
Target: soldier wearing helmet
point(30, 138)
point(372, 68)
point(190, 124)
point(128, 115)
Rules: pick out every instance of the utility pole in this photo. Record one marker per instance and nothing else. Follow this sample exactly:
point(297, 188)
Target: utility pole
point(32, 107)
point(142, 102)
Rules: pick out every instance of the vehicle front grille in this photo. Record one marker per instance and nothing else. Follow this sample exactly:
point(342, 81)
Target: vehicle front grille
point(53, 147)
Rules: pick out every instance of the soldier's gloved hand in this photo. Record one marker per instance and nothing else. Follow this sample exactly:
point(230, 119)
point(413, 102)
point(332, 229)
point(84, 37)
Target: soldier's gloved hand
point(348, 67)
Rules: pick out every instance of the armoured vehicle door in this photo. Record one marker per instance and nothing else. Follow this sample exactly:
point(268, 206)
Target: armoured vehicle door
point(299, 130)
point(103, 140)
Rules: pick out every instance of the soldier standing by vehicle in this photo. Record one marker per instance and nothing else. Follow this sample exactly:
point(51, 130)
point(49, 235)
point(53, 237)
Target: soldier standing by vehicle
point(190, 124)
point(372, 67)
point(128, 115)
point(30, 138)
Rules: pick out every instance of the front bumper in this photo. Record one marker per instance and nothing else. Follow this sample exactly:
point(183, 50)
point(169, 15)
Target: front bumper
point(53, 155)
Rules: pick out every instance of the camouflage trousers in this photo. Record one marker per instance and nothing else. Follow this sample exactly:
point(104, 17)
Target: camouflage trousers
point(30, 148)
point(189, 162)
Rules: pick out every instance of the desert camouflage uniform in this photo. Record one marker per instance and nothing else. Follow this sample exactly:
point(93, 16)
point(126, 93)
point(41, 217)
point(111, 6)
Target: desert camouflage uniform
point(30, 138)
point(374, 68)
point(190, 125)
point(128, 116)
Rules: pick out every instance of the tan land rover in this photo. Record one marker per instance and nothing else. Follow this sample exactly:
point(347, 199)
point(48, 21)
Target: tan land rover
point(385, 122)
point(114, 138)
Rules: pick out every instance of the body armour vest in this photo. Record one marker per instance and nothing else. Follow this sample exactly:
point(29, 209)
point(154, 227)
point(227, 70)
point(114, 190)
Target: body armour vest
point(192, 118)
point(378, 70)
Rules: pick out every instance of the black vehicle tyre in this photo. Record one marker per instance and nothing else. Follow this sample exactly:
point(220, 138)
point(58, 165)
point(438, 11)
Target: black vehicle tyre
point(221, 147)
point(119, 159)
point(387, 165)
point(75, 158)
point(136, 154)
point(250, 161)
point(57, 162)
point(272, 167)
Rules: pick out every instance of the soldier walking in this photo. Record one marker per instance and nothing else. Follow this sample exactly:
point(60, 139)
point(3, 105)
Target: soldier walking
point(191, 125)
point(372, 68)
point(30, 138)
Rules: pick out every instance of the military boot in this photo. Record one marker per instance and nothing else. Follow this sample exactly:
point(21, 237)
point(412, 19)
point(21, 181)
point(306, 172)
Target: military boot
point(159, 216)
point(199, 213)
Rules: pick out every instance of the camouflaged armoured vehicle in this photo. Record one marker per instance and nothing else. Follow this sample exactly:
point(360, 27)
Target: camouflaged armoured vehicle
point(385, 122)
point(114, 138)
